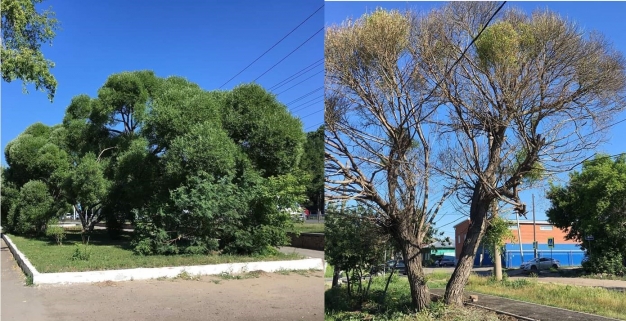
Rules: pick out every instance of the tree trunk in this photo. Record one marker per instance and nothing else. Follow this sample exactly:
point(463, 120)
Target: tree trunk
point(420, 295)
point(336, 276)
point(497, 263)
point(475, 232)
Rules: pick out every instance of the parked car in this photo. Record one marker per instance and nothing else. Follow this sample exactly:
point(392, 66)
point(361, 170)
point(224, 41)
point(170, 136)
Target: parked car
point(399, 265)
point(541, 263)
point(446, 261)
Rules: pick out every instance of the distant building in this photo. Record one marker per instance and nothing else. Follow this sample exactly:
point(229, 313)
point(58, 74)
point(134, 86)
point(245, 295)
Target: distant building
point(568, 252)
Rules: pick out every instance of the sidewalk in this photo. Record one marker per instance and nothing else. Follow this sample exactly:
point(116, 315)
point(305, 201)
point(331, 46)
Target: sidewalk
point(19, 302)
point(531, 311)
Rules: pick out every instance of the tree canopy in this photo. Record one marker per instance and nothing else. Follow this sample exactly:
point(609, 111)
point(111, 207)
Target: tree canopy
point(24, 30)
point(196, 171)
point(593, 202)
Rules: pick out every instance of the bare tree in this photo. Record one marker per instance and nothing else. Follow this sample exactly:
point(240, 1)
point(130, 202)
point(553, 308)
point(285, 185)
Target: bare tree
point(378, 147)
point(532, 90)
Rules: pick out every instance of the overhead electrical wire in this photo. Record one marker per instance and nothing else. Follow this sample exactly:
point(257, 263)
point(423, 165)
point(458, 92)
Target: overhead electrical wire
point(297, 74)
point(315, 74)
point(289, 54)
point(272, 47)
point(304, 96)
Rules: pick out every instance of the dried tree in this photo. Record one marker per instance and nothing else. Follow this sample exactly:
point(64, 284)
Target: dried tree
point(533, 90)
point(378, 144)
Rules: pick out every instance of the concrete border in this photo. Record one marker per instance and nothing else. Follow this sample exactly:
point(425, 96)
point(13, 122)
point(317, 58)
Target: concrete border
point(20, 258)
point(153, 273)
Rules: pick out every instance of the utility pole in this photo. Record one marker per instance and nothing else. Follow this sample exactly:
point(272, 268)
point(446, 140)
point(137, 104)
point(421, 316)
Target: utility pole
point(519, 237)
point(534, 228)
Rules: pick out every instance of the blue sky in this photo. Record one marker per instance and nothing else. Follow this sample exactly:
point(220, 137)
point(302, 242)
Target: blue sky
point(206, 42)
point(605, 17)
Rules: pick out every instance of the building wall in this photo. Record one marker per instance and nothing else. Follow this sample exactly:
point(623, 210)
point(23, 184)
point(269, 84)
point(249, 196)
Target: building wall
point(460, 230)
point(565, 250)
point(542, 235)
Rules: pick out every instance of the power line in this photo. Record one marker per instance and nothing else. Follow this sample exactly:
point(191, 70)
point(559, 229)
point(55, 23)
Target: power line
point(268, 50)
point(311, 114)
point(289, 54)
point(296, 108)
point(315, 74)
point(314, 126)
point(297, 74)
point(305, 95)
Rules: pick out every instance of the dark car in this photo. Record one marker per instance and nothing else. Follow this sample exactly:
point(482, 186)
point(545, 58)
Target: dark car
point(447, 261)
point(400, 266)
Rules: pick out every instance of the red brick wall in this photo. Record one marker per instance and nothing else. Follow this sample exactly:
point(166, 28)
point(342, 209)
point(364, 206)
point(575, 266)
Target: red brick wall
point(542, 236)
point(459, 236)
point(527, 235)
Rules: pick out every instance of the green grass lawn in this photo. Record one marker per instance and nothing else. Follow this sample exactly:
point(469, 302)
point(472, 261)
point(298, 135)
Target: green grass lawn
point(107, 254)
point(578, 298)
point(309, 227)
point(593, 300)
point(395, 307)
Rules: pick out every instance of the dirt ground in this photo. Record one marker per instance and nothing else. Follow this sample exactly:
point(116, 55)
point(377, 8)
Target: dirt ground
point(268, 297)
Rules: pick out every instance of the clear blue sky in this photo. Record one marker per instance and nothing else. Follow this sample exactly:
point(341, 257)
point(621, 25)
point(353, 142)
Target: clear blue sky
point(605, 17)
point(206, 42)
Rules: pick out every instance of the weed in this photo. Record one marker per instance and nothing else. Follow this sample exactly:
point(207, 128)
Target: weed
point(184, 275)
point(29, 280)
point(82, 252)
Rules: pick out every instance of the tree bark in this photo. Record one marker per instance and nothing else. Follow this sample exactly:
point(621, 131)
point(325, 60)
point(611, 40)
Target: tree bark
point(497, 263)
point(475, 232)
point(336, 276)
point(420, 295)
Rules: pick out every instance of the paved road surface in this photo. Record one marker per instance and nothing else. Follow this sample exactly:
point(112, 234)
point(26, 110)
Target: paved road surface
point(305, 252)
point(269, 297)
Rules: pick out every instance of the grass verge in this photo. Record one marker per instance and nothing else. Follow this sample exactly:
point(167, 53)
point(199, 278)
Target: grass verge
point(593, 300)
point(308, 227)
point(395, 306)
point(107, 254)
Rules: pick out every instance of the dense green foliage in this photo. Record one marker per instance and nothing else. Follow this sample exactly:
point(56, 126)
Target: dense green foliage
point(313, 163)
point(354, 243)
point(23, 31)
point(594, 203)
point(196, 171)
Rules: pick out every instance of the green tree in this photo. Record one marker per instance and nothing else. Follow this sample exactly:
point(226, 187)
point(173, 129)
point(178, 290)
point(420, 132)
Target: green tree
point(313, 163)
point(354, 243)
point(32, 209)
point(594, 203)
point(23, 31)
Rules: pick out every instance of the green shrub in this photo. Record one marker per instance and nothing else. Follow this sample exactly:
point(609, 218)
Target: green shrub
point(55, 231)
point(82, 252)
point(609, 262)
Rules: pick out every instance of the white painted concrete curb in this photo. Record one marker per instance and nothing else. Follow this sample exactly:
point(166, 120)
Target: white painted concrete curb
point(20, 258)
point(153, 273)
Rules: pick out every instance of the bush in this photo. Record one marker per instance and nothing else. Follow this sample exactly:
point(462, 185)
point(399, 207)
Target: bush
point(82, 252)
point(55, 231)
point(609, 263)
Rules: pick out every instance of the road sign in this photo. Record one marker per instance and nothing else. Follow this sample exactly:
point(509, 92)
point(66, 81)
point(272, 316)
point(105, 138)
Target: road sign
point(550, 242)
point(535, 245)
point(589, 237)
